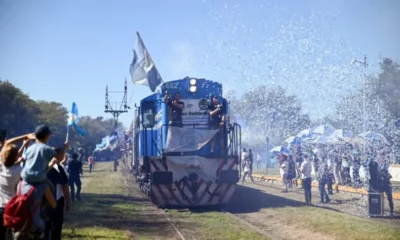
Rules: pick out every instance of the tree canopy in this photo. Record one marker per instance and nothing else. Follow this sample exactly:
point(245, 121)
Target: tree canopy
point(19, 114)
point(269, 112)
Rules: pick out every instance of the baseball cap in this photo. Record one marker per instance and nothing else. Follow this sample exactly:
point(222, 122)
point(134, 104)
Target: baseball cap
point(42, 131)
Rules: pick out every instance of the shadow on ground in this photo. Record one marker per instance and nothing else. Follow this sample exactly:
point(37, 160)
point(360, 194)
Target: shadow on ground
point(249, 200)
point(116, 212)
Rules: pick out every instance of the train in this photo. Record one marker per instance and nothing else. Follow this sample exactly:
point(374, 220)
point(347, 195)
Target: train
point(174, 165)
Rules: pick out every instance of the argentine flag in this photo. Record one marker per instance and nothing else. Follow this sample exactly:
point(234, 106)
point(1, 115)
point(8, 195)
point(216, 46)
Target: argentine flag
point(142, 69)
point(73, 120)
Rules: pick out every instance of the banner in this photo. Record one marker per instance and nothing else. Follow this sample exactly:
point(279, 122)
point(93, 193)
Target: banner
point(183, 166)
point(187, 139)
point(195, 111)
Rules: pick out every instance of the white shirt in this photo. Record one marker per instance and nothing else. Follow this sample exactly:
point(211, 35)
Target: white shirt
point(245, 156)
point(305, 169)
point(284, 168)
point(330, 165)
point(9, 178)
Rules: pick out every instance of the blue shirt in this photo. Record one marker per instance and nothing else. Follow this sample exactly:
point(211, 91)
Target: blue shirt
point(37, 158)
point(74, 168)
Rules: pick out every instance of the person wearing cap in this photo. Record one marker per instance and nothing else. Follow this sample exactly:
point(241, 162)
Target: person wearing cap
point(39, 157)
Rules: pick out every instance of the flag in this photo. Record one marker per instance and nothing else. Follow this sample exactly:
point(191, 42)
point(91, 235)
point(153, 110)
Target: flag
point(73, 120)
point(187, 139)
point(142, 69)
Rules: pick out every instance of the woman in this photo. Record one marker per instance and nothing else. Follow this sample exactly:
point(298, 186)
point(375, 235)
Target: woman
point(10, 174)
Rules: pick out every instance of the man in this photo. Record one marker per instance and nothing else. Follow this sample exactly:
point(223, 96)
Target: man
point(53, 225)
point(251, 161)
point(217, 121)
point(74, 170)
point(176, 106)
point(385, 186)
point(323, 175)
point(258, 160)
point(306, 169)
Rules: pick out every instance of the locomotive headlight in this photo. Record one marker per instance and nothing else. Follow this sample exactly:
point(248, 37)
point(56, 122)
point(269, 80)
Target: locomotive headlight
point(193, 81)
point(193, 89)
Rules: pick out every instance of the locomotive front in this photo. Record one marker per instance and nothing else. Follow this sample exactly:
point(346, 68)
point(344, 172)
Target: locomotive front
point(184, 159)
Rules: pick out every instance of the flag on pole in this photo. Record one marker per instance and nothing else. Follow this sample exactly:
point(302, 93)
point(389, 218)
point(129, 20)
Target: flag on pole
point(73, 120)
point(142, 69)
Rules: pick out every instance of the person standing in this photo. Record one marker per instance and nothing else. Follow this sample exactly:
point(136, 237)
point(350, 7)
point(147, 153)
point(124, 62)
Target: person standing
point(90, 163)
point(53, 225)
point(75, 170)
point(284, 171)
point(323, 175)
point(258, 159)
point(306, 169)
point(176, 107)
point(385, 185)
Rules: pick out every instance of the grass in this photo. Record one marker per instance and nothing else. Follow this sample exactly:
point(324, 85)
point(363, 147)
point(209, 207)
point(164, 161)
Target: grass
point(104, 211)
point(109, 210)
point(336, 224)
point(216, 225)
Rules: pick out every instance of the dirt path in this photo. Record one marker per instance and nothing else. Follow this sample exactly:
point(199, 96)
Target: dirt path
point(249, 204)
point(154, 223)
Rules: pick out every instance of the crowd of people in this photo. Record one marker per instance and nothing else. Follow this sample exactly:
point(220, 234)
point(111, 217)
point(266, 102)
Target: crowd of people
point(37, 184)
point(333, 164)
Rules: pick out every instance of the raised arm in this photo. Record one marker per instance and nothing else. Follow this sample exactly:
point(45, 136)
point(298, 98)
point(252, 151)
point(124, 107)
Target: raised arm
point(30, 136)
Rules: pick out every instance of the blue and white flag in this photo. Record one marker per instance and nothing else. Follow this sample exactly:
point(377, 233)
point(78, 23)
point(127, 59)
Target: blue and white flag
point(142, 69)
point(73, 120)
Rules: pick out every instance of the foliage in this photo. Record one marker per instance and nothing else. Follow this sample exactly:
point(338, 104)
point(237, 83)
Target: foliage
point(17, 110)
point(19, 115)
point(382, 101)
point(270, 112)
point(54, 115)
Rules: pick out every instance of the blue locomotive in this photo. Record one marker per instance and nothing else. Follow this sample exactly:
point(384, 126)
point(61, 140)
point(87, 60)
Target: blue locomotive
point(180, 155)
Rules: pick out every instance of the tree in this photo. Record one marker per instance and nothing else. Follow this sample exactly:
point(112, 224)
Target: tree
point(55, 116)
point(97, 129)
point(269, 112)
point(19, 115)
point(387, 86)
point(17, 110)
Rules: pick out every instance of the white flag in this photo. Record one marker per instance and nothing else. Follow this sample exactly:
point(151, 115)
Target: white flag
point(187, 139)
point(142, 69)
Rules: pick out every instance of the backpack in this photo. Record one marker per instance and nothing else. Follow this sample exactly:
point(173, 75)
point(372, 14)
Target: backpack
point(17, 214)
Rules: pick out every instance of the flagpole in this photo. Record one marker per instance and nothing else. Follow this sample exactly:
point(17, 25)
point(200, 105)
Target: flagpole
point(140, 38)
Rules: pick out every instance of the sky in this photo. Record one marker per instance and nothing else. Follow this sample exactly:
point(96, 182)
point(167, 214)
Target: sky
point(69, 51)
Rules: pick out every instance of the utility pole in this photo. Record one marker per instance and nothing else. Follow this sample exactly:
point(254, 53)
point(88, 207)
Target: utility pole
point(112, 107)
point(366, 164)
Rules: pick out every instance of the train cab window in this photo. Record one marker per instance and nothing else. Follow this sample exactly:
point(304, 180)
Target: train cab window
point(148, 114)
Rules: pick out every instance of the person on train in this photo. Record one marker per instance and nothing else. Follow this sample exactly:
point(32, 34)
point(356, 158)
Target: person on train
point(176, 106)
point(217, 121)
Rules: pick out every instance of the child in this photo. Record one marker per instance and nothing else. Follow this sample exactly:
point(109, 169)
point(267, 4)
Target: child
point(38, 158)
